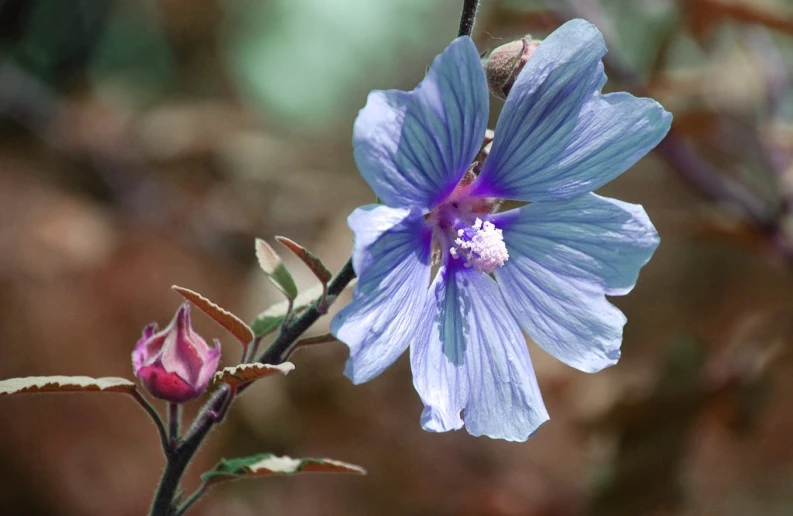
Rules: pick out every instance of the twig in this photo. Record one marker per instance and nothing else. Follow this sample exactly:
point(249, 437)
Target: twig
point(198, 493)
point(468, 17)
point(748, 13)
point(276, 351)
point(174, 420)
point(310, 341)
point(155, 417)
point(220, 401)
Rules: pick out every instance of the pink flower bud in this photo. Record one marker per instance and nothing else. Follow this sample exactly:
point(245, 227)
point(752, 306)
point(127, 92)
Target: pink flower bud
point(505, 63)
point(175, 364)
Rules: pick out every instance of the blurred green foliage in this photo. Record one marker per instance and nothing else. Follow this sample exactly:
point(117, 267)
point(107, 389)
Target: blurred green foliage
point(308, 62)
point(134, 48)
point(55, 37)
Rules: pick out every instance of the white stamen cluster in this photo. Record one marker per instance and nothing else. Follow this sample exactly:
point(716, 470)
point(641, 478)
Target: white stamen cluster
point(485, 251)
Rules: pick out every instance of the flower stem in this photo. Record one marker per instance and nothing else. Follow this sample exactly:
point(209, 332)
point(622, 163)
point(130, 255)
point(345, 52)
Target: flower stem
point(174, 419)
point(278, 348)
point(310, 341)
point(218, 403)
point(155, 417)
point(193, 499)
point(178, 461)
point(468, 17)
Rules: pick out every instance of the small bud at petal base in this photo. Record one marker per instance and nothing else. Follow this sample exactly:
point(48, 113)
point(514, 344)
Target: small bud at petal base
point(175, 364)
point(505, 63)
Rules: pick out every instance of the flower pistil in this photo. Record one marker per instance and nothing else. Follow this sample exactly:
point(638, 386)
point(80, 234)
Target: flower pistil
point(481, 246)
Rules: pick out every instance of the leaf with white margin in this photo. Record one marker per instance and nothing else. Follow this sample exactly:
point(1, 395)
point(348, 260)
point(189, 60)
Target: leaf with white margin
point(223, 317)
point(245, 373)
point(319, 269)
point(274, 268)
point(264, 325)
point(33, 384)
point(269, 320)
point(267, 464)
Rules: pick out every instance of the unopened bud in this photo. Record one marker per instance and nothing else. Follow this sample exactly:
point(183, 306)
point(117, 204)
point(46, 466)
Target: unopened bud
point(175, 364)
point(504, 64)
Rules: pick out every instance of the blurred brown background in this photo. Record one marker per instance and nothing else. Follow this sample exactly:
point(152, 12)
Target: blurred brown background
point(146, 143)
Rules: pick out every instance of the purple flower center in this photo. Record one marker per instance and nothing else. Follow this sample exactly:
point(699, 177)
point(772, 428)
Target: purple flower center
point(462, 230)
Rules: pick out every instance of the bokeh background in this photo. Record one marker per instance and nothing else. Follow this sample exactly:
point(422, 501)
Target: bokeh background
point(145, 143)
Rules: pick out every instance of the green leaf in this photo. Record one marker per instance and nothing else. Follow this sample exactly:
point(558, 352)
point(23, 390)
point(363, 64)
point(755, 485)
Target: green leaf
point(31, 384)
point(271, 318)
point(275, 269)
point(267, 464)
point(133, 50)
point(265, 324)
point(279, 56)
point(283, 279)
point(55, 38)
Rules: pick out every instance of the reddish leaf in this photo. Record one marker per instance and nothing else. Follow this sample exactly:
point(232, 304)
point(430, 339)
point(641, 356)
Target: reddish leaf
point(312, 262)
point(245, 373)
point(226, 319)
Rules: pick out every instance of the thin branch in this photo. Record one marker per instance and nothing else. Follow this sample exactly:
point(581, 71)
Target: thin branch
point(317, 339)
point(174, 420)
point(201, 491)
point(277, 350)
point(155, 417)
point(310, 341)
point(220, 415)
point(468, 17)
point(746, 12)
point(252, 349)
point(219, 402)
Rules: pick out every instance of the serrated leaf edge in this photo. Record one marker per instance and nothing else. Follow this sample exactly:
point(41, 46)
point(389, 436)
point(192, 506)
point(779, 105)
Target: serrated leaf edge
point(273, 465)
point(223, 317)
point(229, 374)
point(311, 260)
point(58, 383)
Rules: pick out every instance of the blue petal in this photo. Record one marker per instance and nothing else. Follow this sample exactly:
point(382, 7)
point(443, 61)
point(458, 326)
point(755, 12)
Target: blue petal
point(559, 137)
point(392, 261)
point(564, 257)
point(414, 147)
point(475, 359)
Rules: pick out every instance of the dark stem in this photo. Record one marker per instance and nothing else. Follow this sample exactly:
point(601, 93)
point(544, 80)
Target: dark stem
point(218, 404)
point(277, 350)
point(193, 499)
point(181, 457)
point(174, 418)
point(155, 417)
point(310, 341)
point(246, 352)
point(468, 17)
point(214, 409)
point(253, 348)
point(323, 301)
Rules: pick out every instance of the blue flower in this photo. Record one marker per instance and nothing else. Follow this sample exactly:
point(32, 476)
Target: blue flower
point(554, 259)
